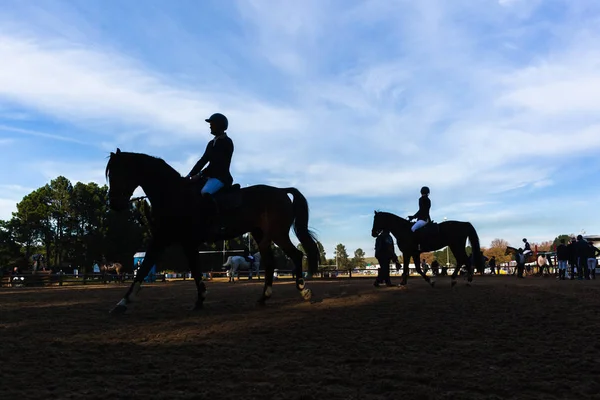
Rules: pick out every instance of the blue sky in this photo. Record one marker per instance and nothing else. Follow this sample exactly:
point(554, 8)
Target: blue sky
point(493, 104)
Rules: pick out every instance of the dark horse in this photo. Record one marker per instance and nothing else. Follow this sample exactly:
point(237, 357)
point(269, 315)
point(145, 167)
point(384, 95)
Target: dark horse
point(179, 215)
point(432, 237)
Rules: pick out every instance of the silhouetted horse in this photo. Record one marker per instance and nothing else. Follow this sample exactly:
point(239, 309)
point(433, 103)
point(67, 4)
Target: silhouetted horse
point(179, 215)
point(431, 237)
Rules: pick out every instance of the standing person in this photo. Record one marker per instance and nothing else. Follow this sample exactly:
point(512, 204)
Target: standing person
point(581, 251)
point(492, 265)
point(435, 267)
point(562, 256)
point(572, 249)
point(593, 252)
point(543, 264)
point(384, 252)
point(520, 259)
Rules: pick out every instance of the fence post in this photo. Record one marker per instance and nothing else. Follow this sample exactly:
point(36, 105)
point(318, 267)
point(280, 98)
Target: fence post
point(60, 278)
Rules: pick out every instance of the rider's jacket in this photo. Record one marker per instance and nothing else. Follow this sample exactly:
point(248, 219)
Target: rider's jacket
point(218, 154)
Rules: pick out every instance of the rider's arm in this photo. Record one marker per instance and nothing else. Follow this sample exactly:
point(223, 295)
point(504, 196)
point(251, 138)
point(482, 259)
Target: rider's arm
point(201, 162)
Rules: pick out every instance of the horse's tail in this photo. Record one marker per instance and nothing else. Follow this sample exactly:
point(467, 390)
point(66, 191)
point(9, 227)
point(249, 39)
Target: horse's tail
point(475, 247)
point(306, 237)
point(228, 262)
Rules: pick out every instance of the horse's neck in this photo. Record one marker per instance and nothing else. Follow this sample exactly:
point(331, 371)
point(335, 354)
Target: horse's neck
point(398, 224)
point(161, 183)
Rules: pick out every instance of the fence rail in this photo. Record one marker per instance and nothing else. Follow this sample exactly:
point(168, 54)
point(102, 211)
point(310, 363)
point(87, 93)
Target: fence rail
point(61, 279)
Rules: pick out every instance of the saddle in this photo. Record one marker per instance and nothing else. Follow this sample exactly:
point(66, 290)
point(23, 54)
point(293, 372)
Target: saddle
point(218, 206)
point(428, 237)
point(228, 198)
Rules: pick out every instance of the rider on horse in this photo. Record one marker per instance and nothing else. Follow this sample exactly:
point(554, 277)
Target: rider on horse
point(527, 247)
point(422, 215)
point(249, 258)
point(218, 155)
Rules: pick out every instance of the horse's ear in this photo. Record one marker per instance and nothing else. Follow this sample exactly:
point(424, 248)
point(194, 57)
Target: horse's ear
point(375, 211)
point(118, 150)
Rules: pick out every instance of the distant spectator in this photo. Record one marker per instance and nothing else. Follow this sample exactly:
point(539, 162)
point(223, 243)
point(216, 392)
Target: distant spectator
point(572, 248)
point(593, 252)
point(520, 259)
point(435, 267)
point(492, 265)
point(562, 256)
point(543, 264)
point(581, 251)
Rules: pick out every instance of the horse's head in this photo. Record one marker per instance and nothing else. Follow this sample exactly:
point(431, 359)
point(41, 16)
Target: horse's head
point(122, 180)
point(379, 223)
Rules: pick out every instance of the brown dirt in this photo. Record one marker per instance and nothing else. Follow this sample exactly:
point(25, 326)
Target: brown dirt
point(531, 339)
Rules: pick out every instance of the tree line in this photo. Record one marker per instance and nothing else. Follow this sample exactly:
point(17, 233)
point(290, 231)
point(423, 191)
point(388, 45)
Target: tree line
point(73, 226)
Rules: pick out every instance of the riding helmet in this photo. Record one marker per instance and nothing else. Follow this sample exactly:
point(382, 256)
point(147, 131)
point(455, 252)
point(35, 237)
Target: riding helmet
point(424, 190)
point(219, 119)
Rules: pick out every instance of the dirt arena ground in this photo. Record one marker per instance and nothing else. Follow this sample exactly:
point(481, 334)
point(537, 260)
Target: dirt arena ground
point(536, 338)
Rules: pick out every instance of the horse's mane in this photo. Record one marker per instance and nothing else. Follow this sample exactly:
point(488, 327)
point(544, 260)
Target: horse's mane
point(156, 165)
point(393, 216)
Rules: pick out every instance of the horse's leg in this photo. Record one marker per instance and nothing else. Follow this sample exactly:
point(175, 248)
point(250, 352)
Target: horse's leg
point(417, 258)
point(266, 256)
point(155, 249)
point(296, 256)
point(405, 270)
point(191, 253)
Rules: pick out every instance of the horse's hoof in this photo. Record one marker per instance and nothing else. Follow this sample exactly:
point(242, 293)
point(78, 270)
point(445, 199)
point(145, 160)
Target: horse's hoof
point(469, 284)
point(119, 309)
point(453, 283)
point(306, 294)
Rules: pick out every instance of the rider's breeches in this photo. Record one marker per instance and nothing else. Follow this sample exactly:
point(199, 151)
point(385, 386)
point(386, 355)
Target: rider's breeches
point(419, 224)
point(211, 186)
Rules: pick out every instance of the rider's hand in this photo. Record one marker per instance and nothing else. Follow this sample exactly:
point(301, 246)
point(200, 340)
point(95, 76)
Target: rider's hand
point(195, 178)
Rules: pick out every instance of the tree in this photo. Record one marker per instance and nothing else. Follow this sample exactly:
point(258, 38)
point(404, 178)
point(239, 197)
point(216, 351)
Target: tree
point(498, 248)
point(32, 221)
point(341, 257)
point(359, 259)
point(10, 250)
point(565, 237)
